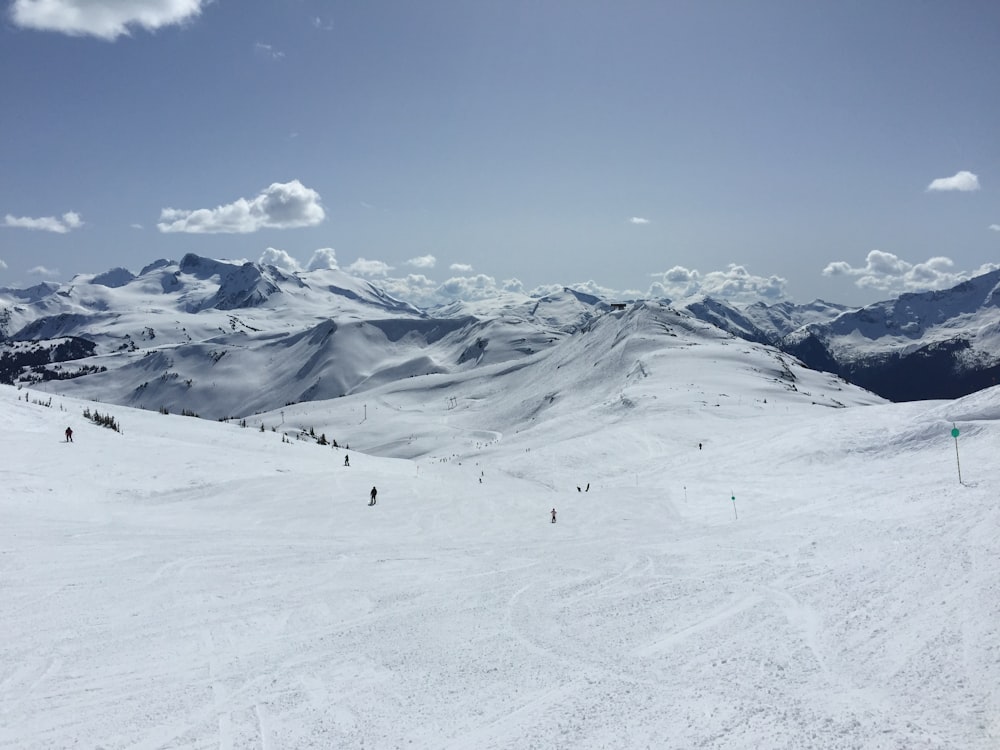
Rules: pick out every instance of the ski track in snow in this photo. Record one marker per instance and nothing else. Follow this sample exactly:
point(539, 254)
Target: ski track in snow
point(194, 585)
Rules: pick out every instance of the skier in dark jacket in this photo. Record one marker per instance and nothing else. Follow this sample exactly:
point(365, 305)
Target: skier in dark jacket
point(374, 492)
point(69, 434)
point(553, 515)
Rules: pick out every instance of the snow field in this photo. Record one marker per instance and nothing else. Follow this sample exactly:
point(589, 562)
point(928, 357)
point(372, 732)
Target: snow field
point(195, 585)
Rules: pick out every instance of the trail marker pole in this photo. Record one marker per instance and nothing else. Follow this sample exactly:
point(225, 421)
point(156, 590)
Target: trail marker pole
point(735, 514)
point(685, 494)
point(954, 434)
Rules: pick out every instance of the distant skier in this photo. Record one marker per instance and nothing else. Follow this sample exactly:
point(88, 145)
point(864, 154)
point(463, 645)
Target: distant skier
point(69, 434)
point(374, 492)
point(347, 461)
point(553, 515)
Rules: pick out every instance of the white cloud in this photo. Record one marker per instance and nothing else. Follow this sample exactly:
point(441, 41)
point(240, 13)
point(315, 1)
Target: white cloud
point(105, 19)
point(364, 267)
point(2, 265)
point(323, 259)
point(43, 271)
point(416, 289)
point(136, 226)
point(891, 274)
point(423, 261)
point(319, 23)
point(283, 205)
point(479, 286)
point(638, 220)
point(422, 291)
point(995, 227)
point(963, 181)
point(460, 268)
point(735, 284)
point(268, 51)
point(279, 259)
point(60, 225)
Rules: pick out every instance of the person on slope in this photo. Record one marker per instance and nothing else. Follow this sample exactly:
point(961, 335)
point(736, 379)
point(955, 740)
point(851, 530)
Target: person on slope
point(69, 434)
point(553, 515)
point(374, 492)
point(347, 461)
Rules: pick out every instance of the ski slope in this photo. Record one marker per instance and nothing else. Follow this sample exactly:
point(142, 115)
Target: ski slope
point(192, 584)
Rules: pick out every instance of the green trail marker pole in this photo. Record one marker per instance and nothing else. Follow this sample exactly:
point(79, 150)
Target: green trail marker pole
point(733, 498)
point(954, 434)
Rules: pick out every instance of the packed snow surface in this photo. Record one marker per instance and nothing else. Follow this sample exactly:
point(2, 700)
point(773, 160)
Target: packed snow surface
point(742, 559)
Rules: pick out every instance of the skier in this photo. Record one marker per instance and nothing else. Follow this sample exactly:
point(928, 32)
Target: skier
point(69, 434)
point(374, 492)
point(347, 461)
point(553, 515)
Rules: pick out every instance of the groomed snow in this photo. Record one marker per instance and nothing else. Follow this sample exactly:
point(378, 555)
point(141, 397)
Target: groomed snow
point(191, 584)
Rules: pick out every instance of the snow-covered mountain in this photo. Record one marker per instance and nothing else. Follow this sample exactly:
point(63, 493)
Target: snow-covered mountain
point(222, 338)
point(941, 344)
point(759, 321)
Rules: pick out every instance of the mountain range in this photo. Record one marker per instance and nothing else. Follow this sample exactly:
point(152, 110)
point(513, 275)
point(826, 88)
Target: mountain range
point(223, 339)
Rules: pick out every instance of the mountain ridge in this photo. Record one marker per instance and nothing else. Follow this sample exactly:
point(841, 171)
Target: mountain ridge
point(347, 335)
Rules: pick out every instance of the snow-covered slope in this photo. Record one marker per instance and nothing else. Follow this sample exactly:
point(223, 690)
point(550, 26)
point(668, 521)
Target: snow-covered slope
point(734, 565)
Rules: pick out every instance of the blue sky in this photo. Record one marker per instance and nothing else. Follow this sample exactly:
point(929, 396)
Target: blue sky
point(784, 149)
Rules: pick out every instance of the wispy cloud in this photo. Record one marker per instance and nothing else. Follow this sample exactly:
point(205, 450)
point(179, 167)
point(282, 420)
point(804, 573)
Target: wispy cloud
point(423, 261)
point(136, 226)
point(638, 220)
point(735, 284)
point(58, 224)
point(962, 181)
point(268, 51)
point(887, 272)
point(460, 268)
point(43, 271)
point(283, 205)
point(995, 227)
point(106, 20)
point(2, 264)
point(319, 23)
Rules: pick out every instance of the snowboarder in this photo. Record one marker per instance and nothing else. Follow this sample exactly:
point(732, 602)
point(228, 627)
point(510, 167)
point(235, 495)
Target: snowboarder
point(374, 492)
point(69, 434)
point(347, 461)
point(553, 515)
